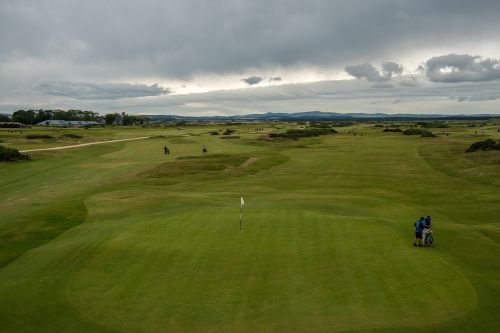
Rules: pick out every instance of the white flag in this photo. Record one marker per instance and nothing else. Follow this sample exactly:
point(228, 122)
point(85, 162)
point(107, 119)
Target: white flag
point(242, 202)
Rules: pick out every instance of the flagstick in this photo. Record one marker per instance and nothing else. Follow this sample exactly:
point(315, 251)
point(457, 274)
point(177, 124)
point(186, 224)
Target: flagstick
point(241, 211)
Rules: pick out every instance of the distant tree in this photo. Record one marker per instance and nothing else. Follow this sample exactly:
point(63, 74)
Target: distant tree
point(4, 118)
point(25, 117)
point(43, 115)
point(111, 118)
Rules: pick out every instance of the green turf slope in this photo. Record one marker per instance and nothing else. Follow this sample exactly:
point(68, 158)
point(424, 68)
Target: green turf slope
point(119, 237)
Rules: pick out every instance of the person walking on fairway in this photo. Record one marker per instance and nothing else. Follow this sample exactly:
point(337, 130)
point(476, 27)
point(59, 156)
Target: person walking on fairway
point(166, 150)
point(204, 150)
point(419, 225)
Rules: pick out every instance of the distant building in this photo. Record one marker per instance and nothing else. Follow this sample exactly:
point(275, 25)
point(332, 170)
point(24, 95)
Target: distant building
point(67, 123)
point(11, 125)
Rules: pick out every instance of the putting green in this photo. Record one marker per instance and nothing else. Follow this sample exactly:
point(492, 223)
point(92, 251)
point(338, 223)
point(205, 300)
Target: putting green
point(120, 237)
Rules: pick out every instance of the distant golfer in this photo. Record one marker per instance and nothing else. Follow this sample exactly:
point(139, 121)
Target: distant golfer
point(204, 150)
point(166, 150)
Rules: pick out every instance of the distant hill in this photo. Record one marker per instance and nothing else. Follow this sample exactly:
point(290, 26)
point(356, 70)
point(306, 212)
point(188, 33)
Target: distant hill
point(319, 115)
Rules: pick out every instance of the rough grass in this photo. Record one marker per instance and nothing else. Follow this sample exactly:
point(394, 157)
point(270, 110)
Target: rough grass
point(38, 136)
point(11, 155)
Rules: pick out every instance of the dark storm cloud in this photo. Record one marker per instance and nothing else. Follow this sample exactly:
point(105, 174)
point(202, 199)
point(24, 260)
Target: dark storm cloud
point(252, 80)
point(80, 90)
point(462, 68)
point(121, 39)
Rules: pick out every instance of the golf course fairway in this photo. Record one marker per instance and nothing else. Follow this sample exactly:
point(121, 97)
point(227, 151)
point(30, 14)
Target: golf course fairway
point(119, 237)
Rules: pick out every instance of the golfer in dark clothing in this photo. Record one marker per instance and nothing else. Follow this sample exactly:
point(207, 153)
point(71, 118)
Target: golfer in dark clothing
point(419, 226)
point(166, 150)
point(204, 150)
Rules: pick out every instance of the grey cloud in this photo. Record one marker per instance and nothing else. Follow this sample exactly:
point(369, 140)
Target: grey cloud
point(275, 79)
point(383, 85)
point(390, 68)
point(79, 90)
point(372, 74)
point(462, 68)
point(408, 81)
point(476, 98)
point(366, 71)
point(252, 80)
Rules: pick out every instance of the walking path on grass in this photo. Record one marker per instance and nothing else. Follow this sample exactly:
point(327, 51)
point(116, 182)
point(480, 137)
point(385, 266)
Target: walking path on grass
point(83, 144)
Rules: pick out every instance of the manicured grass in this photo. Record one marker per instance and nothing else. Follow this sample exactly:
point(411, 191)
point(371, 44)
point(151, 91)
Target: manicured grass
point(119, 237)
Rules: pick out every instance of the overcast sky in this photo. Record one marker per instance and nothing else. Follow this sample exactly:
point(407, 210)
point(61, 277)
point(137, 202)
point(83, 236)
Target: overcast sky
point(251, 56)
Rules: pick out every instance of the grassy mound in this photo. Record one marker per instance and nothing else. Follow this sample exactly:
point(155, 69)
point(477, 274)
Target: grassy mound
point(484, 145)
point(188, 165)
point(39, 136)
point(11, 155)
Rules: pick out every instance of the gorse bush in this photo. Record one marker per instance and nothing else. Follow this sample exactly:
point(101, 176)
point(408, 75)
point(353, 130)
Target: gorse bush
point(72, 136)
point(433, 124)
point(428, 134)
point(39, 136)
point(11, 155)
point(418, 131)
point(303, 133)
point(392, 130)
point(484, 145)
point(229, 131)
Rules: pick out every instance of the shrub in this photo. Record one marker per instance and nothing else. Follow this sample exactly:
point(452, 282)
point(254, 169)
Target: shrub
point(11, 155)
point(300, 133)
point(214, 133)
point(72, 136)
point(392, 130)
point(342, 123)
point(484, 145)
point(433, 124)
point(39, 136)
point(428, 134)
point(229, 132)
point(418, 131)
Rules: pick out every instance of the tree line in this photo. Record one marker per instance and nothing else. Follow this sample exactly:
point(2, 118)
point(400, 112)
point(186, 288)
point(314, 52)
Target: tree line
point(31, 117)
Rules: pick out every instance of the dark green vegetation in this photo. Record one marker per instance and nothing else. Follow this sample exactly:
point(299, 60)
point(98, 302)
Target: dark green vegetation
point(433, 124)
point(11, 155)
point(39, 136)
point(71, 136)
point(484, 145)
point(303, 133)
point(37, 116)
point(119, 237)
point(418, 131)
point(393, 130)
